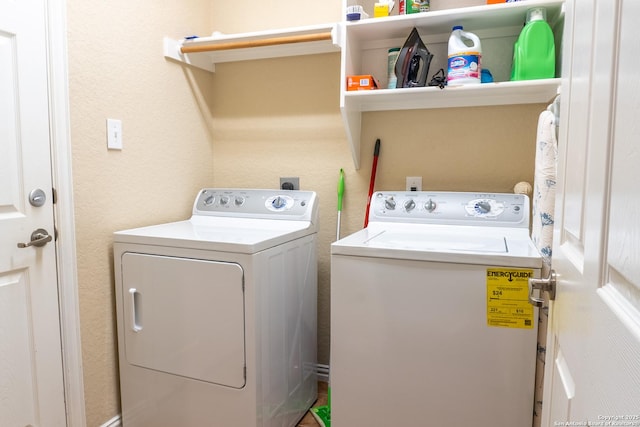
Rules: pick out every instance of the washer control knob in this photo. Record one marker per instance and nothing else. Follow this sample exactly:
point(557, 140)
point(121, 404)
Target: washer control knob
point(430, 205)
point(239, 200)
point(209, 200)
point(483, 207)
point(390, 203)
point(409, 205)
point(224, 200)
point(278, 202)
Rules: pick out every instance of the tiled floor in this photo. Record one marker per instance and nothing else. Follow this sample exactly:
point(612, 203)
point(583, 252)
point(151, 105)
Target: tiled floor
point(309, 420)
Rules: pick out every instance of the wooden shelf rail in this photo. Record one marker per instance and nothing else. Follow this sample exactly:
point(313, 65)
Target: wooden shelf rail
point(272, 41)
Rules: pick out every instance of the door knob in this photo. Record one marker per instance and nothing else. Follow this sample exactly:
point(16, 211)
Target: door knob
point(39, 238)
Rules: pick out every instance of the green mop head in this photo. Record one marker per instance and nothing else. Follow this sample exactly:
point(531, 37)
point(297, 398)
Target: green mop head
point(322, 414)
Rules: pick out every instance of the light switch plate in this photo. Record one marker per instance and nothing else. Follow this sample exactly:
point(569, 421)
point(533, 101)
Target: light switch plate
point(114, 134)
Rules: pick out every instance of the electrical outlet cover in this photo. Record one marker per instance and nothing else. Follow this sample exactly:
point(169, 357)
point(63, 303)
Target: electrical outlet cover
point(289, 182)
point(414, 183)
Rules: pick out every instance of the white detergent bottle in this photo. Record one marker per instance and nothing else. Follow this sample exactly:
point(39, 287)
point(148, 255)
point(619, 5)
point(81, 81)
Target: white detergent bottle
point(465, 53)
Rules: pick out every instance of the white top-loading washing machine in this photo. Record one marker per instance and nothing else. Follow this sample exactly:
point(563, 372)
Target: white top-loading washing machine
point(216, 314)
point(430, 320)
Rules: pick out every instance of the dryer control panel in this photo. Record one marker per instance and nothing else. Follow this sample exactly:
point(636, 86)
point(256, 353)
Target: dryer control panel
point(435, 207)
point(256, 203)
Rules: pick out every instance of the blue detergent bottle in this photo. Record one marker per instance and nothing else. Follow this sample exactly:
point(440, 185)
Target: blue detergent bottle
point(534, 53)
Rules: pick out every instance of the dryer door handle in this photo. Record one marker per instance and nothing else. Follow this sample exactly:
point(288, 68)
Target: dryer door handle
point(136, 310)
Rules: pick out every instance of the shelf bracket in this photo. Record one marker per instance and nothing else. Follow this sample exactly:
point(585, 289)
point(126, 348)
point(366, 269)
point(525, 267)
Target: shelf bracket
point(173, 50)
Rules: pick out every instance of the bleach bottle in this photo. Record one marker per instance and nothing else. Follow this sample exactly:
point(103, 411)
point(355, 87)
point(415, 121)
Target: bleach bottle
point(465, 53)
point(534, 53)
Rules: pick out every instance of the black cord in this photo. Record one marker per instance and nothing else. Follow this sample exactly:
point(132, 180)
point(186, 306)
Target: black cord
point(439, 79)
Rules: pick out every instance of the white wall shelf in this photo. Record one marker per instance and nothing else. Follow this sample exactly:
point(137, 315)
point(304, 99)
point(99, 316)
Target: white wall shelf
point(364, 51)
point(364, 45)
point(501, 93)
point(205, 52)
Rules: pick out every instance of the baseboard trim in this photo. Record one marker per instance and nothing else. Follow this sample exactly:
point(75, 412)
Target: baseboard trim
point(113, 422)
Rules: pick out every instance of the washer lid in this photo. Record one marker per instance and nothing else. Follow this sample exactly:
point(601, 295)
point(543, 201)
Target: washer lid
point(454, 244)
point(224, 234)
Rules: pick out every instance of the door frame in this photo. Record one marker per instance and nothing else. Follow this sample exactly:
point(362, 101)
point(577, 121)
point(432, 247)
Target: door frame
point(62, 177)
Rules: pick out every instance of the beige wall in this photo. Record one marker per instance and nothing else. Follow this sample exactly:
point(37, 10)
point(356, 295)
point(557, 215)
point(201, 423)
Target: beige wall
point(117, 70)
point(246, 125)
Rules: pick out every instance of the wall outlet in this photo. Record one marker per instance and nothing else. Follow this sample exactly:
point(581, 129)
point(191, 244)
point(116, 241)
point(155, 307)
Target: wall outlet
point(414, 183)
point(290, 183)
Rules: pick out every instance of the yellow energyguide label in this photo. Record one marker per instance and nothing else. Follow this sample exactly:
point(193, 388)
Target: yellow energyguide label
point(508, 298)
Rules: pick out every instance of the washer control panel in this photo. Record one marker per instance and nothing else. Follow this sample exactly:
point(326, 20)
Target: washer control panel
point(434, 207)
point(255, 203)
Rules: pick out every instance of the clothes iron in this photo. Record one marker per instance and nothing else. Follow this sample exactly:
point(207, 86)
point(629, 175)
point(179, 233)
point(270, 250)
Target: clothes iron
point(412, 65)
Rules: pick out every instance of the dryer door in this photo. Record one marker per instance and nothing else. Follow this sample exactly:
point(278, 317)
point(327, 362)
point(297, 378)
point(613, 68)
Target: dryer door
point(185, 317)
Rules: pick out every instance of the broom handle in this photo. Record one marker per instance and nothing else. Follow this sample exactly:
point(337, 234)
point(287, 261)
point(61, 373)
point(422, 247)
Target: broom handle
point(372, 181)
point(340, 195)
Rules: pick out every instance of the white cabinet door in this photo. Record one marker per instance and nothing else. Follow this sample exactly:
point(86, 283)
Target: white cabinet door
point(31, 381)
point(592, 365)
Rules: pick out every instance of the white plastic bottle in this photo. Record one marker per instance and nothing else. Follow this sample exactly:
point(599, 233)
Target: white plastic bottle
point(465, 54)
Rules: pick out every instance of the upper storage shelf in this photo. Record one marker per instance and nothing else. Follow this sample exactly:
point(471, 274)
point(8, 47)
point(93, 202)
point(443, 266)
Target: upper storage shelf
point(365, 46)
point(205, 52)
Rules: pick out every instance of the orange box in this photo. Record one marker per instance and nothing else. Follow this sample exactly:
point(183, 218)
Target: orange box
point(496, 1)
point(362, 82)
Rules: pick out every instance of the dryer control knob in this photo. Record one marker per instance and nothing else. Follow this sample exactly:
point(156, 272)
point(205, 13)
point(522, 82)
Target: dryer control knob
point(278, 202)
point(483, 207)
point(390, 203)
point(409, 205)
point(239, 200)
point(224, 200)
point(430, 205)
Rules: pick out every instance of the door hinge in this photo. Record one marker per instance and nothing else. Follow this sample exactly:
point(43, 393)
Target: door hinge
point(54, 196)
point(547, 284)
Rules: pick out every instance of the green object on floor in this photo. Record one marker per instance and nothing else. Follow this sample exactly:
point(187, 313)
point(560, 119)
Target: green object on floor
point(322, 414)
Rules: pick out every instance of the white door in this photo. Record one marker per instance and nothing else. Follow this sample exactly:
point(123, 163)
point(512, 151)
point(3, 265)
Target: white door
point(31, 382)
point(592, 374)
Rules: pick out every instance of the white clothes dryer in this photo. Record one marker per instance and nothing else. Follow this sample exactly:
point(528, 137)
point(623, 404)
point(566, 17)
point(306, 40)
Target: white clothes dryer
point(430, 320)
point(216, 314)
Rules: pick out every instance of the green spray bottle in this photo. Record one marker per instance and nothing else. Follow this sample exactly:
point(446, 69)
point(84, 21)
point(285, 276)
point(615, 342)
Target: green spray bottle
point(534, 53)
